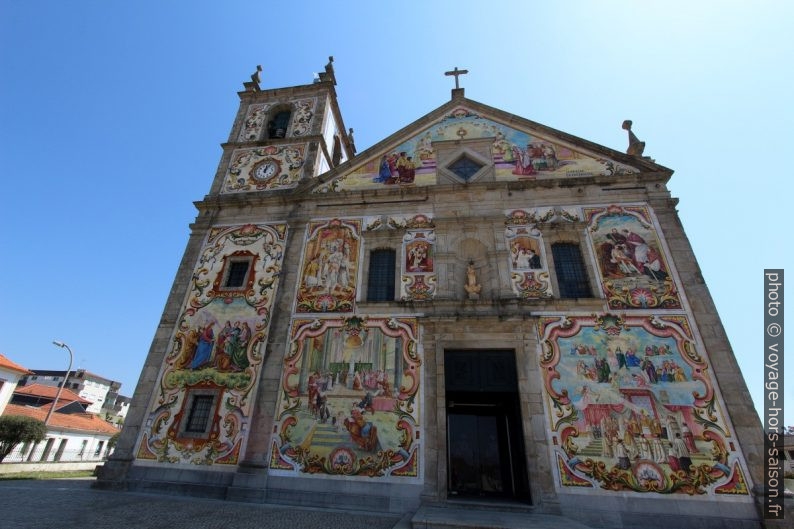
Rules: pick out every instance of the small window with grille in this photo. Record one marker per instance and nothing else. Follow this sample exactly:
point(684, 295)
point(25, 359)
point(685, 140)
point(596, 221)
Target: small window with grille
point(380, 286)
point(200, 411)
point(571, 272)
point(464, 167)
point(238, 273)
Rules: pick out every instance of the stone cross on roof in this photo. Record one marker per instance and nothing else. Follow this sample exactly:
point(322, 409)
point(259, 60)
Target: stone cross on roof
point(456, 73)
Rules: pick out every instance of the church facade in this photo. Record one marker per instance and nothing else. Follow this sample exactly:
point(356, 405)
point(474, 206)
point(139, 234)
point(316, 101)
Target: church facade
point(477, 307)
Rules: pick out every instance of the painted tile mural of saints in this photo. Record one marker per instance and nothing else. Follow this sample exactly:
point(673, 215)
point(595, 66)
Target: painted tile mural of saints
point(633, 270)
point(632, 406)
point(330, 266)
point(418, 279)
point(349, 402)
point(516, 155)
point(529, 275)
point(214, 360)
point(418, 256)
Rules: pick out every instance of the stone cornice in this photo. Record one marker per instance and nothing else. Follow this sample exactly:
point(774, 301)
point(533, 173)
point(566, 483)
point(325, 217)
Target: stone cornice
point(507, 307)
point(636, 183)
point(280, 141)
point(270, 93)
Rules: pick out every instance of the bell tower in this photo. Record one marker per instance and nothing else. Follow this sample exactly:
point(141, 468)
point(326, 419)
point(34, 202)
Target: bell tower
point(283, 136)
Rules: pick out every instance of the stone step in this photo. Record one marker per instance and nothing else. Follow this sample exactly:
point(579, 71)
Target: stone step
point(488, 504)
point(453, 517)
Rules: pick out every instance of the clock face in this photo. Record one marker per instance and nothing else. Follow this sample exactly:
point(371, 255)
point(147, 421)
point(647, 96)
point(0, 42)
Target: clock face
point(266, 170)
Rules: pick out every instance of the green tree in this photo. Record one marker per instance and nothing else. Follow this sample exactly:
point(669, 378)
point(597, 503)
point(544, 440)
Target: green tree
point(15, 429)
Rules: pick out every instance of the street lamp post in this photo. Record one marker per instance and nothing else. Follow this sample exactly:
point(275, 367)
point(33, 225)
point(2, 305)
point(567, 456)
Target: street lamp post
point(60, 388)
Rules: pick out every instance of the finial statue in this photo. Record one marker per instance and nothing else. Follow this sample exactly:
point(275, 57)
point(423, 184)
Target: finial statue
point(257, 75)
point(328, 74)
point(256, 78)
point(352, 141)
point(471, 286)
point(635, 145)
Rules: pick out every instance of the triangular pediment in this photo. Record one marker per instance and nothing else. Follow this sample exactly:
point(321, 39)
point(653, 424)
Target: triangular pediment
point(464, 133)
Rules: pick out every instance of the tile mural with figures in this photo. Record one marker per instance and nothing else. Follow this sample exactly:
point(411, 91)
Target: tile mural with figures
point(216, 351)
point(329, 270)
point(418, 277)
point(633, 407)
point(349, 399)
point(515, 154)
point(529, 274)
point(633, 269)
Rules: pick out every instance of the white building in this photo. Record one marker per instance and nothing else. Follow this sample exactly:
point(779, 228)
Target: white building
point(86, 384)
point(10, 374)
point(116, 411)
point(70, 437)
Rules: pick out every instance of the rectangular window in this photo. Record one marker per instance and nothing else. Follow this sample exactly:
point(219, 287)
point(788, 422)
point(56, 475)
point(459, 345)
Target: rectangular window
point(571, 272)
point(380, 286)
point(99, 448)
point(238, 273)
point(200, 411)
point(82, 448)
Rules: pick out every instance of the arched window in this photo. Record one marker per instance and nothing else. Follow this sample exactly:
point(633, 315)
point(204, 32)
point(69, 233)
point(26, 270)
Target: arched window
point(571, 272)
point(380, 286)
point(336, 157)
point(277, 126)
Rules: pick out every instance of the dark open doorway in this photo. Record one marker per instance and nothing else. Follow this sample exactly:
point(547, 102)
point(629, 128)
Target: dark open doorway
point(485, 440)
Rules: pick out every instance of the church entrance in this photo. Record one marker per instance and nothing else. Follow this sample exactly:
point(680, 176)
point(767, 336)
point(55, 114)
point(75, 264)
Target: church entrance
point(485, 441)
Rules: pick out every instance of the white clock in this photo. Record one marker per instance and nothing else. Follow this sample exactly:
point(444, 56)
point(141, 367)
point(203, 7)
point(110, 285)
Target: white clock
point(265, 170)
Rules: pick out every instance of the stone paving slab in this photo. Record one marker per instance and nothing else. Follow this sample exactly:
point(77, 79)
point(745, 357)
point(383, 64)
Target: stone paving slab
point(439, 517)
point(28, 504)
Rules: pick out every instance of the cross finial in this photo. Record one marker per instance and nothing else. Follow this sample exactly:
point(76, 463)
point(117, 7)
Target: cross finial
point(456, 73)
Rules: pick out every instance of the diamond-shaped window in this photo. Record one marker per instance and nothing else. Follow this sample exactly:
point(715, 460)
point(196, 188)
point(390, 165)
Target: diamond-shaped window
point(465, 167)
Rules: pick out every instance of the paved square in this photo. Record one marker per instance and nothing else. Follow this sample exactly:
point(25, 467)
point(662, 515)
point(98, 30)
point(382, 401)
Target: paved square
point(72, 503)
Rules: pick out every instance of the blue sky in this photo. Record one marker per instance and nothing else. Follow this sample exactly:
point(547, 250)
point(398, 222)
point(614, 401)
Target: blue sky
point(111, 115)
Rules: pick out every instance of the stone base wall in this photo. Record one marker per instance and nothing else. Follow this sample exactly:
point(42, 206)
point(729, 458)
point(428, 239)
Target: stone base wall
point(13, 468)
point(624, 512)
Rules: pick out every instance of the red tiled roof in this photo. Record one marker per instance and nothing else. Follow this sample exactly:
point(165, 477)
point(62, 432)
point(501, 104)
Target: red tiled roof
point(49, 392)
point(8, 364)
point(61, 405)
point(82, 422)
